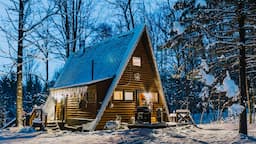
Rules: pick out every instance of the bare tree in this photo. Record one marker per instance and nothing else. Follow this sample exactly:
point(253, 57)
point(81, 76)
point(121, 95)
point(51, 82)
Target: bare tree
point(19, 63)
point(125, 13)
point(77, 22)
point(26, 26)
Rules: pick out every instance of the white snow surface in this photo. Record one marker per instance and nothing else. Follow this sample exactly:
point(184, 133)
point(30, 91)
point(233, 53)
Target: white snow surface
point(111, 125)
point(222, 132)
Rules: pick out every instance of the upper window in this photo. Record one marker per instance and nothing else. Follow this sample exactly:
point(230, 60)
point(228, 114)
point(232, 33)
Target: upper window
point(118, 95)
point(136, 61)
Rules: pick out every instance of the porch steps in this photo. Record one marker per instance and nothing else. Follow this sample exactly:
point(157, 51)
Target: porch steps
point(53, 127)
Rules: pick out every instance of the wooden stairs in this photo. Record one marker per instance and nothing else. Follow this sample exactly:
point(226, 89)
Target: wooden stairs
point(53, 127)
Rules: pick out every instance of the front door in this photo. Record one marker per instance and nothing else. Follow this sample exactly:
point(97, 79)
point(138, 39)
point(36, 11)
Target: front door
point(147, 99)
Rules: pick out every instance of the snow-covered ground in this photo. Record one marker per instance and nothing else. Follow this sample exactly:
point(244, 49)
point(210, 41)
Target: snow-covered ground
point(224, 132)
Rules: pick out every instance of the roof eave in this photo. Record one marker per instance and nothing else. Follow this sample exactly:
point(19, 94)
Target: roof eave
point(81, 84)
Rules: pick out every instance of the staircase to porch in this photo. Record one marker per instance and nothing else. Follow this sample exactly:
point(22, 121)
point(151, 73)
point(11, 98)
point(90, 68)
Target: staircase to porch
point(53, 127)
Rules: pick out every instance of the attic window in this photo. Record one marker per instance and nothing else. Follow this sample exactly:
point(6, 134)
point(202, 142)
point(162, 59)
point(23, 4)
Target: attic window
point(136, 61)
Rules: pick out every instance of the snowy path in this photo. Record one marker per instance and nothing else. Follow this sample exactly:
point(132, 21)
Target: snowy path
point(210, 133)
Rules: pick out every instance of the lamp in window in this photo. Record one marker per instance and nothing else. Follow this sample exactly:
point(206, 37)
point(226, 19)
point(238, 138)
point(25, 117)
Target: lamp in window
point(118, 95)
point(136, 61)
point(128, 96)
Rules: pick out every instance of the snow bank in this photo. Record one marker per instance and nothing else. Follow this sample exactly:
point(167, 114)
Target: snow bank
point(210, 133)
point(27, 130)
point(112, 125)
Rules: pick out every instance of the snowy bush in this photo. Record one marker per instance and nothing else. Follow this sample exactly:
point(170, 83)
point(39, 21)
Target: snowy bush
point(27, 130)
point(112, 125)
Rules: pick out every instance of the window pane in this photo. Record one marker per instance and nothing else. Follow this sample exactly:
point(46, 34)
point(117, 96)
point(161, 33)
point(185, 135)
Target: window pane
point(128, 95)
point(154, 97)
point(118, 95)
point(136, 61)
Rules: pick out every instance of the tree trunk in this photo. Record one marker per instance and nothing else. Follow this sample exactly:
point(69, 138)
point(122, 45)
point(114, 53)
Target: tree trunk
point(243, 118)
point(130, 11)
point(67, 29)
point(19, 109)
point(47, 71)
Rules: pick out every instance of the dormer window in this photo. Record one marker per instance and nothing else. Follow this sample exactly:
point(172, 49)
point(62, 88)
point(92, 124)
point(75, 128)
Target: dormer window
point(136, 61)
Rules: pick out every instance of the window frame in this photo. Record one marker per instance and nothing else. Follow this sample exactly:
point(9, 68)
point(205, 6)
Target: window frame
point(155, 99)
point(130, 92)
point(122, 94)
point(136, 61)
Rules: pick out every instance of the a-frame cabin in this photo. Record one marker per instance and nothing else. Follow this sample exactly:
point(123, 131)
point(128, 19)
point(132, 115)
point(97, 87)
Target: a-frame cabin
point(107, 79)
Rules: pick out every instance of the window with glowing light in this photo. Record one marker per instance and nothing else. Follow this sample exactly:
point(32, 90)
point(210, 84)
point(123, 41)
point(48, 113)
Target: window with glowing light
point(136, 61)
point(128, 95)
point(118, 95)
point(154, 97)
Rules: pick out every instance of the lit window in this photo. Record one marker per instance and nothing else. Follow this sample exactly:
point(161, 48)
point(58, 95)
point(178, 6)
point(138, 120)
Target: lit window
point(136, 61)
point(128, 95)
point(154, 97)
point(118, 95)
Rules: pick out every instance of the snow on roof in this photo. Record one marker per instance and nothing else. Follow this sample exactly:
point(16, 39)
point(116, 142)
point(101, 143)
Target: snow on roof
point(102, 59)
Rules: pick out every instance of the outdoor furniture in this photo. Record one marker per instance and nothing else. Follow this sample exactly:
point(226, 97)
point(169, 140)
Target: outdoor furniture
point(183, 116)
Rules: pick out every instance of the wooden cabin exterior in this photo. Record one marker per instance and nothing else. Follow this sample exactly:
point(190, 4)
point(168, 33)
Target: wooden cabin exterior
point(125, 107)
point(111, 82)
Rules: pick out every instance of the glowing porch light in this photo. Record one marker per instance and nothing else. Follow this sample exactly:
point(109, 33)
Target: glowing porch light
point(57, 96)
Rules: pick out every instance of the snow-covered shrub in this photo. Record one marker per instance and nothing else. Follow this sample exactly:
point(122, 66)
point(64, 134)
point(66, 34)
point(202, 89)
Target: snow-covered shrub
point(112, 125)
point(27, 130)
